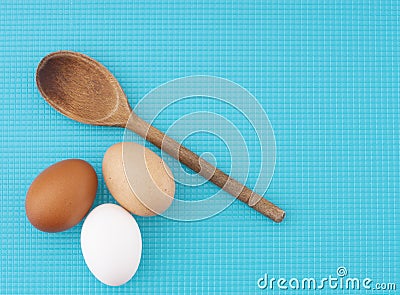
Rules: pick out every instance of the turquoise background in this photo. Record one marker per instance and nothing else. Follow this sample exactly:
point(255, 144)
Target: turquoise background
point(327, 74)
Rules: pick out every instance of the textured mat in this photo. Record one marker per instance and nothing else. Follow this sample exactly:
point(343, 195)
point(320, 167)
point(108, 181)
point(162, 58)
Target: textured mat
point(327, 75)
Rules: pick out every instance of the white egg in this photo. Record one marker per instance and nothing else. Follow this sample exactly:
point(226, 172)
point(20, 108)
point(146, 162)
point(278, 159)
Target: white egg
point(111, 244)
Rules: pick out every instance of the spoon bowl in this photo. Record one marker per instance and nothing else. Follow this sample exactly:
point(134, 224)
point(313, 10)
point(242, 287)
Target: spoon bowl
point(82, 89)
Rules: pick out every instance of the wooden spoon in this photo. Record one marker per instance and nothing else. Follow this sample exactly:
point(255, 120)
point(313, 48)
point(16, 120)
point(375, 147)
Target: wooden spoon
point(82, 89)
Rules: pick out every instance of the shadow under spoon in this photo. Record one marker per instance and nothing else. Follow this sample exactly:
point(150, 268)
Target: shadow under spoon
point(82, 89)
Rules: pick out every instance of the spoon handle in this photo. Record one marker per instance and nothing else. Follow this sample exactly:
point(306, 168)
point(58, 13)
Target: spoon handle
point(205, 169)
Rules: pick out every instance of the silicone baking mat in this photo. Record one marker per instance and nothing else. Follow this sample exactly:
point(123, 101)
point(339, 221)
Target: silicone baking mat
point(325, 72)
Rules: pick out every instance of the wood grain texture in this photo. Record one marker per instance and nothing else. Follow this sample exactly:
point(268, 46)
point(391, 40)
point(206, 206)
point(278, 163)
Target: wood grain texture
point(82, 89)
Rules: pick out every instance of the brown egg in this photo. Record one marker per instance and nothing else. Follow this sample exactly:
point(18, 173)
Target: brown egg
point(61, 195)
point(138, 179)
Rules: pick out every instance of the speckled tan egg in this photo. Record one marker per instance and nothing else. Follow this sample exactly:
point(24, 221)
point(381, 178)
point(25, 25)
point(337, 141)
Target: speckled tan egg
point(61, 195)
point(138, 179)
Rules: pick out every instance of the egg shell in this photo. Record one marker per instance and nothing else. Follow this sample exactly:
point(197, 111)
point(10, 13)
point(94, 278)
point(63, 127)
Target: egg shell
point(138, 179)
point(61, 195)
point(111, 244)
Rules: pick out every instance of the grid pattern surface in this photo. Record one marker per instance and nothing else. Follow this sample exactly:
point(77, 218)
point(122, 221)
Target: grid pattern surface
point(327, 74)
